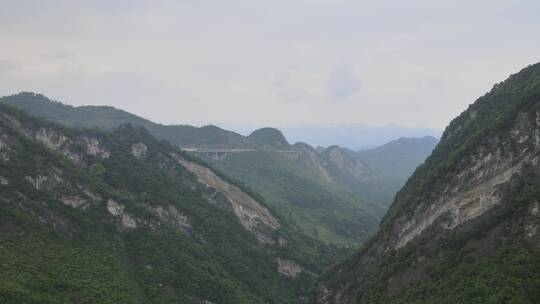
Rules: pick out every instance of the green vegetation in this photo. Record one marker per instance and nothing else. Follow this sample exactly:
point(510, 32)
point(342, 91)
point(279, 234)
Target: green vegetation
point(110, 118)
point(341, 211)
point(51, 252)
point(269, 138)
point(320, 208)
point(491, 259)
point(395, 161)
point(510, 275)
point(491, 115)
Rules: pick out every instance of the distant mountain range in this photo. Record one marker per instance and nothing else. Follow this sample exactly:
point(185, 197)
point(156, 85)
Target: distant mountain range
point(334, 194)
point(352, 136)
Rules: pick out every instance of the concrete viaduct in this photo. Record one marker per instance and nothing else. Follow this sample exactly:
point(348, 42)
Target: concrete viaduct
point(222, 153)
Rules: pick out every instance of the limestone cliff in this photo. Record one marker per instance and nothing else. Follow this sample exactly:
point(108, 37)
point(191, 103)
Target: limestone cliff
point(253, 216)
point(473, 200)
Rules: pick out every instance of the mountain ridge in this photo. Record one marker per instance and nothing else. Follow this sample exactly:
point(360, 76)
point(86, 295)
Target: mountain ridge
point(464, 228)
point(103, 217)
point(354, 187)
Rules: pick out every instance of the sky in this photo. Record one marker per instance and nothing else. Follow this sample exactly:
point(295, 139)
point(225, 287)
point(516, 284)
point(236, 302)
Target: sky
point(278, 63)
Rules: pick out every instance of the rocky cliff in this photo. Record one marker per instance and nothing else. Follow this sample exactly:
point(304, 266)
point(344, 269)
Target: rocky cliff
point(90, 216)
point(465, 226)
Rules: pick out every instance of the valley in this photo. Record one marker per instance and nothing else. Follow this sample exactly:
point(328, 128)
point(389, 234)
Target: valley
point(265, 212)
point(269, 152)
point(157, 213)
point(464, 228)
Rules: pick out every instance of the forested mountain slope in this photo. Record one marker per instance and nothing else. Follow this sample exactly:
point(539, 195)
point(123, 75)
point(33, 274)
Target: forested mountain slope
point(120, 217)
point(466, 226)
point(109, 118)
point(395, 162)
point(302, 188)
point(306, 195)
point(333, 195)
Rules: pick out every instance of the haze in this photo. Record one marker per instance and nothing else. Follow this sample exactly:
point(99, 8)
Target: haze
point(278, 63)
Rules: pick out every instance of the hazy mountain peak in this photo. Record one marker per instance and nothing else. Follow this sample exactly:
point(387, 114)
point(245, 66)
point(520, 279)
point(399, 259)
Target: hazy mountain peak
point(269, 137)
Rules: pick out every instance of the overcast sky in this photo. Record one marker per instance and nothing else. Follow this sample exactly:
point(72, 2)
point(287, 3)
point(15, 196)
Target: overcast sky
point(412, 63)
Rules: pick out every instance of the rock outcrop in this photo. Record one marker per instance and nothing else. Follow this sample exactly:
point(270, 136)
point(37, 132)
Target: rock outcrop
point(288, 268)
point(251, 214)
point(479, 187)
point(139, 150)
point(126, 220)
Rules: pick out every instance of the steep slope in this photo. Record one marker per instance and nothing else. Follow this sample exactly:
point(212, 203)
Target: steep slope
point(94, 217)
point(355, 175)
point(303, 193)
point(271, 174)
point(395, 162)
point(333, 177)
point(465, 227)
point(109, 118)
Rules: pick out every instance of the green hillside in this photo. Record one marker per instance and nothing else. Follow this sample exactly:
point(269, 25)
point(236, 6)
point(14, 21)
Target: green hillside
point(269, 138)
point(396, 161)
point(466, 227)
point(304, 189)
point(94, 217)
point(109, 118)
point(320, 208)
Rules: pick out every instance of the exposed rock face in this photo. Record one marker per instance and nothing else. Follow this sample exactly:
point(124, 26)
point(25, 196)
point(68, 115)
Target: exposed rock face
point(288, 268)
point(51, 139)
point(54, 141)
point(73, 148)
point(3, 181)
point(476, 188)
point(139, 150)
point(41, 182)
point(461, 203)
point(532, 226)
point(94, 147)
point(74, 201)
point(251, 214)
point(4, 149)
point(117, 210)
point(312, 159)
point(172, 216)
point(471, 193)
point(354, 167)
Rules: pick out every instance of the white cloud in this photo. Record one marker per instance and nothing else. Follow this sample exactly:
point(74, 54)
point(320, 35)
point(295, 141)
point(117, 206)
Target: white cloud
point(269, 62)
point(342, 83)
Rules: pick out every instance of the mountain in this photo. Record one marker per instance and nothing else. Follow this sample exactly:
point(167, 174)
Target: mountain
point(333, 195)
point(109, 118)
point(269, 138)
point(465, 228)
point(353, 136)
point(88, 216)
point(298, 183)
point(354, 174)
point(303, 189)
point(395, 161)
